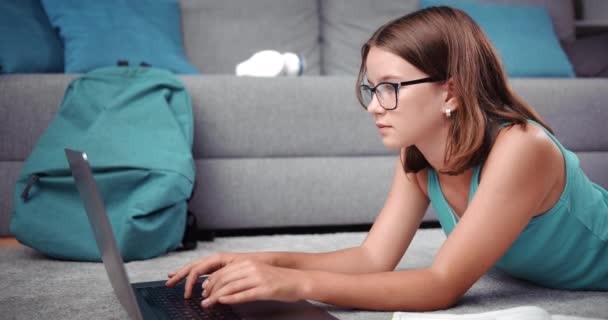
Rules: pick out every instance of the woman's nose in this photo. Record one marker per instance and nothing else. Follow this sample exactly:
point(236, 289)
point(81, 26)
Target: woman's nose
point(374, 106)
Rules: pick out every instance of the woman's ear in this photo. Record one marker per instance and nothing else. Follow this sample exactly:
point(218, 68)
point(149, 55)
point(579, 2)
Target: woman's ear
point(451, 101)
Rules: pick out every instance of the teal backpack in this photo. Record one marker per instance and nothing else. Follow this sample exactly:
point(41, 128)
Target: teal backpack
point(136, 126)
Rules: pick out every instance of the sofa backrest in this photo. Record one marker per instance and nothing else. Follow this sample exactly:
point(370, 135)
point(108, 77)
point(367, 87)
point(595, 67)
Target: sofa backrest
point(576, 111)
point(220, 34)
point(327, 33)
point(347, 24)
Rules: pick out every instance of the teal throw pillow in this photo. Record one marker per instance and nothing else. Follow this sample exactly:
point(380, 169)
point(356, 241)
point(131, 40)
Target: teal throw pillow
point(29, 44)
point(522, 34)
point(100, 33)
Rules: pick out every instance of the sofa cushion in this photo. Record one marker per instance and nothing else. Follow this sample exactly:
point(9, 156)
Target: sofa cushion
point(347, 24)
point(522, 34)
point(290, 191)
point(101, 33)
point(220, 34)
point(560, 11)
point(29, 43)
point(293, 117)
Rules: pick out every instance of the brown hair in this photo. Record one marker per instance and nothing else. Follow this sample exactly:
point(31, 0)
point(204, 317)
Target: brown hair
point(446, 43)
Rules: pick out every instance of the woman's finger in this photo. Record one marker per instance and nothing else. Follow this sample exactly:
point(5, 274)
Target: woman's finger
point(219, 281)
point(204, 267)
point(191, 279)
point(242, 296)
point(225, 275)
point(233, 290)
point(179, 275)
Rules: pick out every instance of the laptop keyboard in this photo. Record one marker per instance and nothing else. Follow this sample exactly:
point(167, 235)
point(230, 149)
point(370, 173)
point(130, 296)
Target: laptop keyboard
point(171, 302)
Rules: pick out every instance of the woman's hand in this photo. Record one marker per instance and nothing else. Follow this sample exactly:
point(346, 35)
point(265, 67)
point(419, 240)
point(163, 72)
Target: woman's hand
point(210, 264)
point(250, 280)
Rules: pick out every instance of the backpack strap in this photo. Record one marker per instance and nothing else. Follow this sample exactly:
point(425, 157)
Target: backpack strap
point(31, 182)
point(189, 241)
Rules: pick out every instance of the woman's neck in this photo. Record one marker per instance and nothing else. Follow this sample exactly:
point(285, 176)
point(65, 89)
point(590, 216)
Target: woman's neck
point(433, 148)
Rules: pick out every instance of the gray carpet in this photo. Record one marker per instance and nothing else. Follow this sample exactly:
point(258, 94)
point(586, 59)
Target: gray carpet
point(34, 287)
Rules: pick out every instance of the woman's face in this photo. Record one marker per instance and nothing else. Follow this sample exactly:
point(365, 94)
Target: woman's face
point(419, 113)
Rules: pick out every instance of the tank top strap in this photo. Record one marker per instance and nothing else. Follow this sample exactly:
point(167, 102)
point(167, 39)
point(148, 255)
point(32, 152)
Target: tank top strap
point(474, 181)
point(442, 208)
point(559, 144)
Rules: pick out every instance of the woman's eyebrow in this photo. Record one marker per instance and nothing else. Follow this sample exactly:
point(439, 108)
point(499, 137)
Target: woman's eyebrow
point(389, 77)
point(384, 78)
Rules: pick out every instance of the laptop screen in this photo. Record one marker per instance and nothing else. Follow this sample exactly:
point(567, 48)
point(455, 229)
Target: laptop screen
point(110, 255)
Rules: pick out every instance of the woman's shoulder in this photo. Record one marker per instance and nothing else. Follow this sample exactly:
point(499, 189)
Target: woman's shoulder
point(528, 152)
point(528, 137)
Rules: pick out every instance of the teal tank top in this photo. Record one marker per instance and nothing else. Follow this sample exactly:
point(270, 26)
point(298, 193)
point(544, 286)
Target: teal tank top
point(565, 247)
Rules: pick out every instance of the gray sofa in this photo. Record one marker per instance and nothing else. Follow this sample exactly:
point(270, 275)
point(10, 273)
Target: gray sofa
point(289, 152)
point(294, 152)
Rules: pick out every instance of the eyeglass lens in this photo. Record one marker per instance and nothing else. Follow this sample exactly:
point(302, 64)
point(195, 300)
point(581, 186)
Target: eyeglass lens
point(385, 93)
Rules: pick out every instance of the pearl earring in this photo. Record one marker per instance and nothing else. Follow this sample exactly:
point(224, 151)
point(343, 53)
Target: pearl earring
point(448, 113)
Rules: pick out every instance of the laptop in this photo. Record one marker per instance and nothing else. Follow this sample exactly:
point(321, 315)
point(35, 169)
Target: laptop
point(153, 300)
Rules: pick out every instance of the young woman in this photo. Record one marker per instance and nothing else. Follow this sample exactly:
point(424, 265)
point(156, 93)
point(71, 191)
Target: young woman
point(506, 192)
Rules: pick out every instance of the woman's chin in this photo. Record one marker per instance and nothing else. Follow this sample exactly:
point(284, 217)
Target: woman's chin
point(390, 143)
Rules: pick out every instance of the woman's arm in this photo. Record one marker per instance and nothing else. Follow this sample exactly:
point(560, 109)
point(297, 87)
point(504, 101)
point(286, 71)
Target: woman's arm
point(386, 242)
point(519, 173)
point(383, 248)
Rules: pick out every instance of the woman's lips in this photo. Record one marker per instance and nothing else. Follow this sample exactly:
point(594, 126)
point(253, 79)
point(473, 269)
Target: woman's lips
point(383, 128)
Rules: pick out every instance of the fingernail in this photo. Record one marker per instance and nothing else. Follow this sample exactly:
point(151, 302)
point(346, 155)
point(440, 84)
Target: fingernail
point(204, 283)
point(205, 303)
point(204, 293)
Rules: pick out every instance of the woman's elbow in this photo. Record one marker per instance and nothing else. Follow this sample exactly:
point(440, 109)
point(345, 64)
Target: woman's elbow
point(446, 301)
point(451, 290)
point(435, 292)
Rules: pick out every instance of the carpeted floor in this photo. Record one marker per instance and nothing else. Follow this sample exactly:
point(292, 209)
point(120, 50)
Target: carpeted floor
point(34, 287)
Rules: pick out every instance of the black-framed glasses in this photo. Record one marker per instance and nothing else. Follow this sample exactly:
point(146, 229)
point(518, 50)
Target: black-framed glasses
point(387, 92)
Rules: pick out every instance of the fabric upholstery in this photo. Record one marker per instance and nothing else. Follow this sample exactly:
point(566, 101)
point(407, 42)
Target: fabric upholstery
point(561, 12)
point(102, 33)
point(347, 24)
point(271, 145)
point(523, 36)
point(29, 42)
point(220, 34)
point(327, 123)
point(589, 56)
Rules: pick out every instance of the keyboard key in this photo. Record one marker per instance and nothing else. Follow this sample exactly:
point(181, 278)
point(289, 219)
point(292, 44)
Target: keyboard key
point(172, 301)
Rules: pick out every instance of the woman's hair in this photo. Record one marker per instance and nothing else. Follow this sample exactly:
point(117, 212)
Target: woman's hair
point(446, 43)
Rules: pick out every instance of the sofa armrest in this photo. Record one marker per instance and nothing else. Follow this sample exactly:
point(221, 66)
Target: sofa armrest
point(588, 56)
